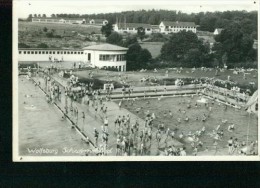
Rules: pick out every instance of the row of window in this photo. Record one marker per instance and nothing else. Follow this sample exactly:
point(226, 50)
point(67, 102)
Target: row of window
point(179, 27)
point(120, 57)
point(58, 21)
point(133, 29)
point(50, 52)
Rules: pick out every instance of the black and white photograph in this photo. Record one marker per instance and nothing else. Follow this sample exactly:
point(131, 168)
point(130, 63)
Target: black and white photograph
point(135, 80)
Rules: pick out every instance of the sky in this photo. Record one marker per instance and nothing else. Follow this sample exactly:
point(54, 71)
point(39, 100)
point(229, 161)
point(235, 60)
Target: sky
point(25, 7)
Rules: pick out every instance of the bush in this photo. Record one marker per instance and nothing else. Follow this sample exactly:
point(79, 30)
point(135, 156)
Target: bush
point(25, 65)
point(187, 81)
point(42, 45)
point(49, 35)
point(45, 29)
point(98, 84)
point(157, 37)
point(23, 45)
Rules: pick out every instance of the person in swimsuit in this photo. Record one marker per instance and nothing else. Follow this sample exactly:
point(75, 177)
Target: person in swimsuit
point(230, 146)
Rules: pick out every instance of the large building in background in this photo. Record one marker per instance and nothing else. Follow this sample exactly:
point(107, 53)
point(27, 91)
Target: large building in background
point(132, 28)
point(175, 27)
point(59, 20)
point(98, 22)
point(101, 56)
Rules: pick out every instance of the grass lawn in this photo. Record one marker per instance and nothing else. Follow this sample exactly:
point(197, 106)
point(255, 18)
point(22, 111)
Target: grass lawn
point(83, 29)
point(153, 47)
point(72, 35)
point(135, 77)
point(239, 118)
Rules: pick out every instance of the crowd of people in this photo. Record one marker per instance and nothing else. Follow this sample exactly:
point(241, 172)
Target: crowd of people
point(133, 137)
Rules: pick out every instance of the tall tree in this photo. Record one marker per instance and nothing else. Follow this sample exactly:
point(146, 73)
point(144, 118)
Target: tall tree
point(30, 17)
point(115, 38)
point(141, 33)
point(130, 39)
point(235, 44)
point(107, 29)
point(184, 47)
point(137, 57)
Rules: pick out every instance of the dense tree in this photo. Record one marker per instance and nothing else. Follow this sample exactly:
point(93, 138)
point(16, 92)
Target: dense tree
point(158, 37)
point(107, 29)
point(137, 57)
point(192, 58)
point(130, 39)
point(35, 15)
point(144, 56)
point(184, 49)
point(115, 38)
point(141, 33)
point(235, 44)
point(44, 15)
point(207, 21)
point(30, 17)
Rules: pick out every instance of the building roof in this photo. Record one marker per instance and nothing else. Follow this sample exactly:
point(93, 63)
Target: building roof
point(105, 47)
point(58, 18)
point(177, 23)
point(49, 18)
point(73, 19)
point(155, 26)
point(133, 25)
point(98, 20)
point(50, 49)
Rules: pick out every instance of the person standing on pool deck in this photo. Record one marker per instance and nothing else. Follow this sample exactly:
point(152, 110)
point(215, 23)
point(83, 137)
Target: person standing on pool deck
point(96, 109)
point(230, 146)
point(215, 145)
point(106, 124)
point(83, 121)
point(120, 103)
point(96, 133)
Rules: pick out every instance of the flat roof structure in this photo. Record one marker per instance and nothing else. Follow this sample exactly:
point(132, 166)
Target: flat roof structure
point(105, 47)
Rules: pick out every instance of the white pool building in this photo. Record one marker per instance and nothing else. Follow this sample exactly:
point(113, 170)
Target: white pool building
point(100, 56)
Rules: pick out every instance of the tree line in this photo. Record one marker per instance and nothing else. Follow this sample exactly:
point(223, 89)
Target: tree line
point(207, 21)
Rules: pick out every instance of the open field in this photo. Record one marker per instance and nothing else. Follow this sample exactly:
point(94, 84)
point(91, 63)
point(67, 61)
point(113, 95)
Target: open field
point(153, 47)
point(67, 35)
point(82, 29)
point(239, 118)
